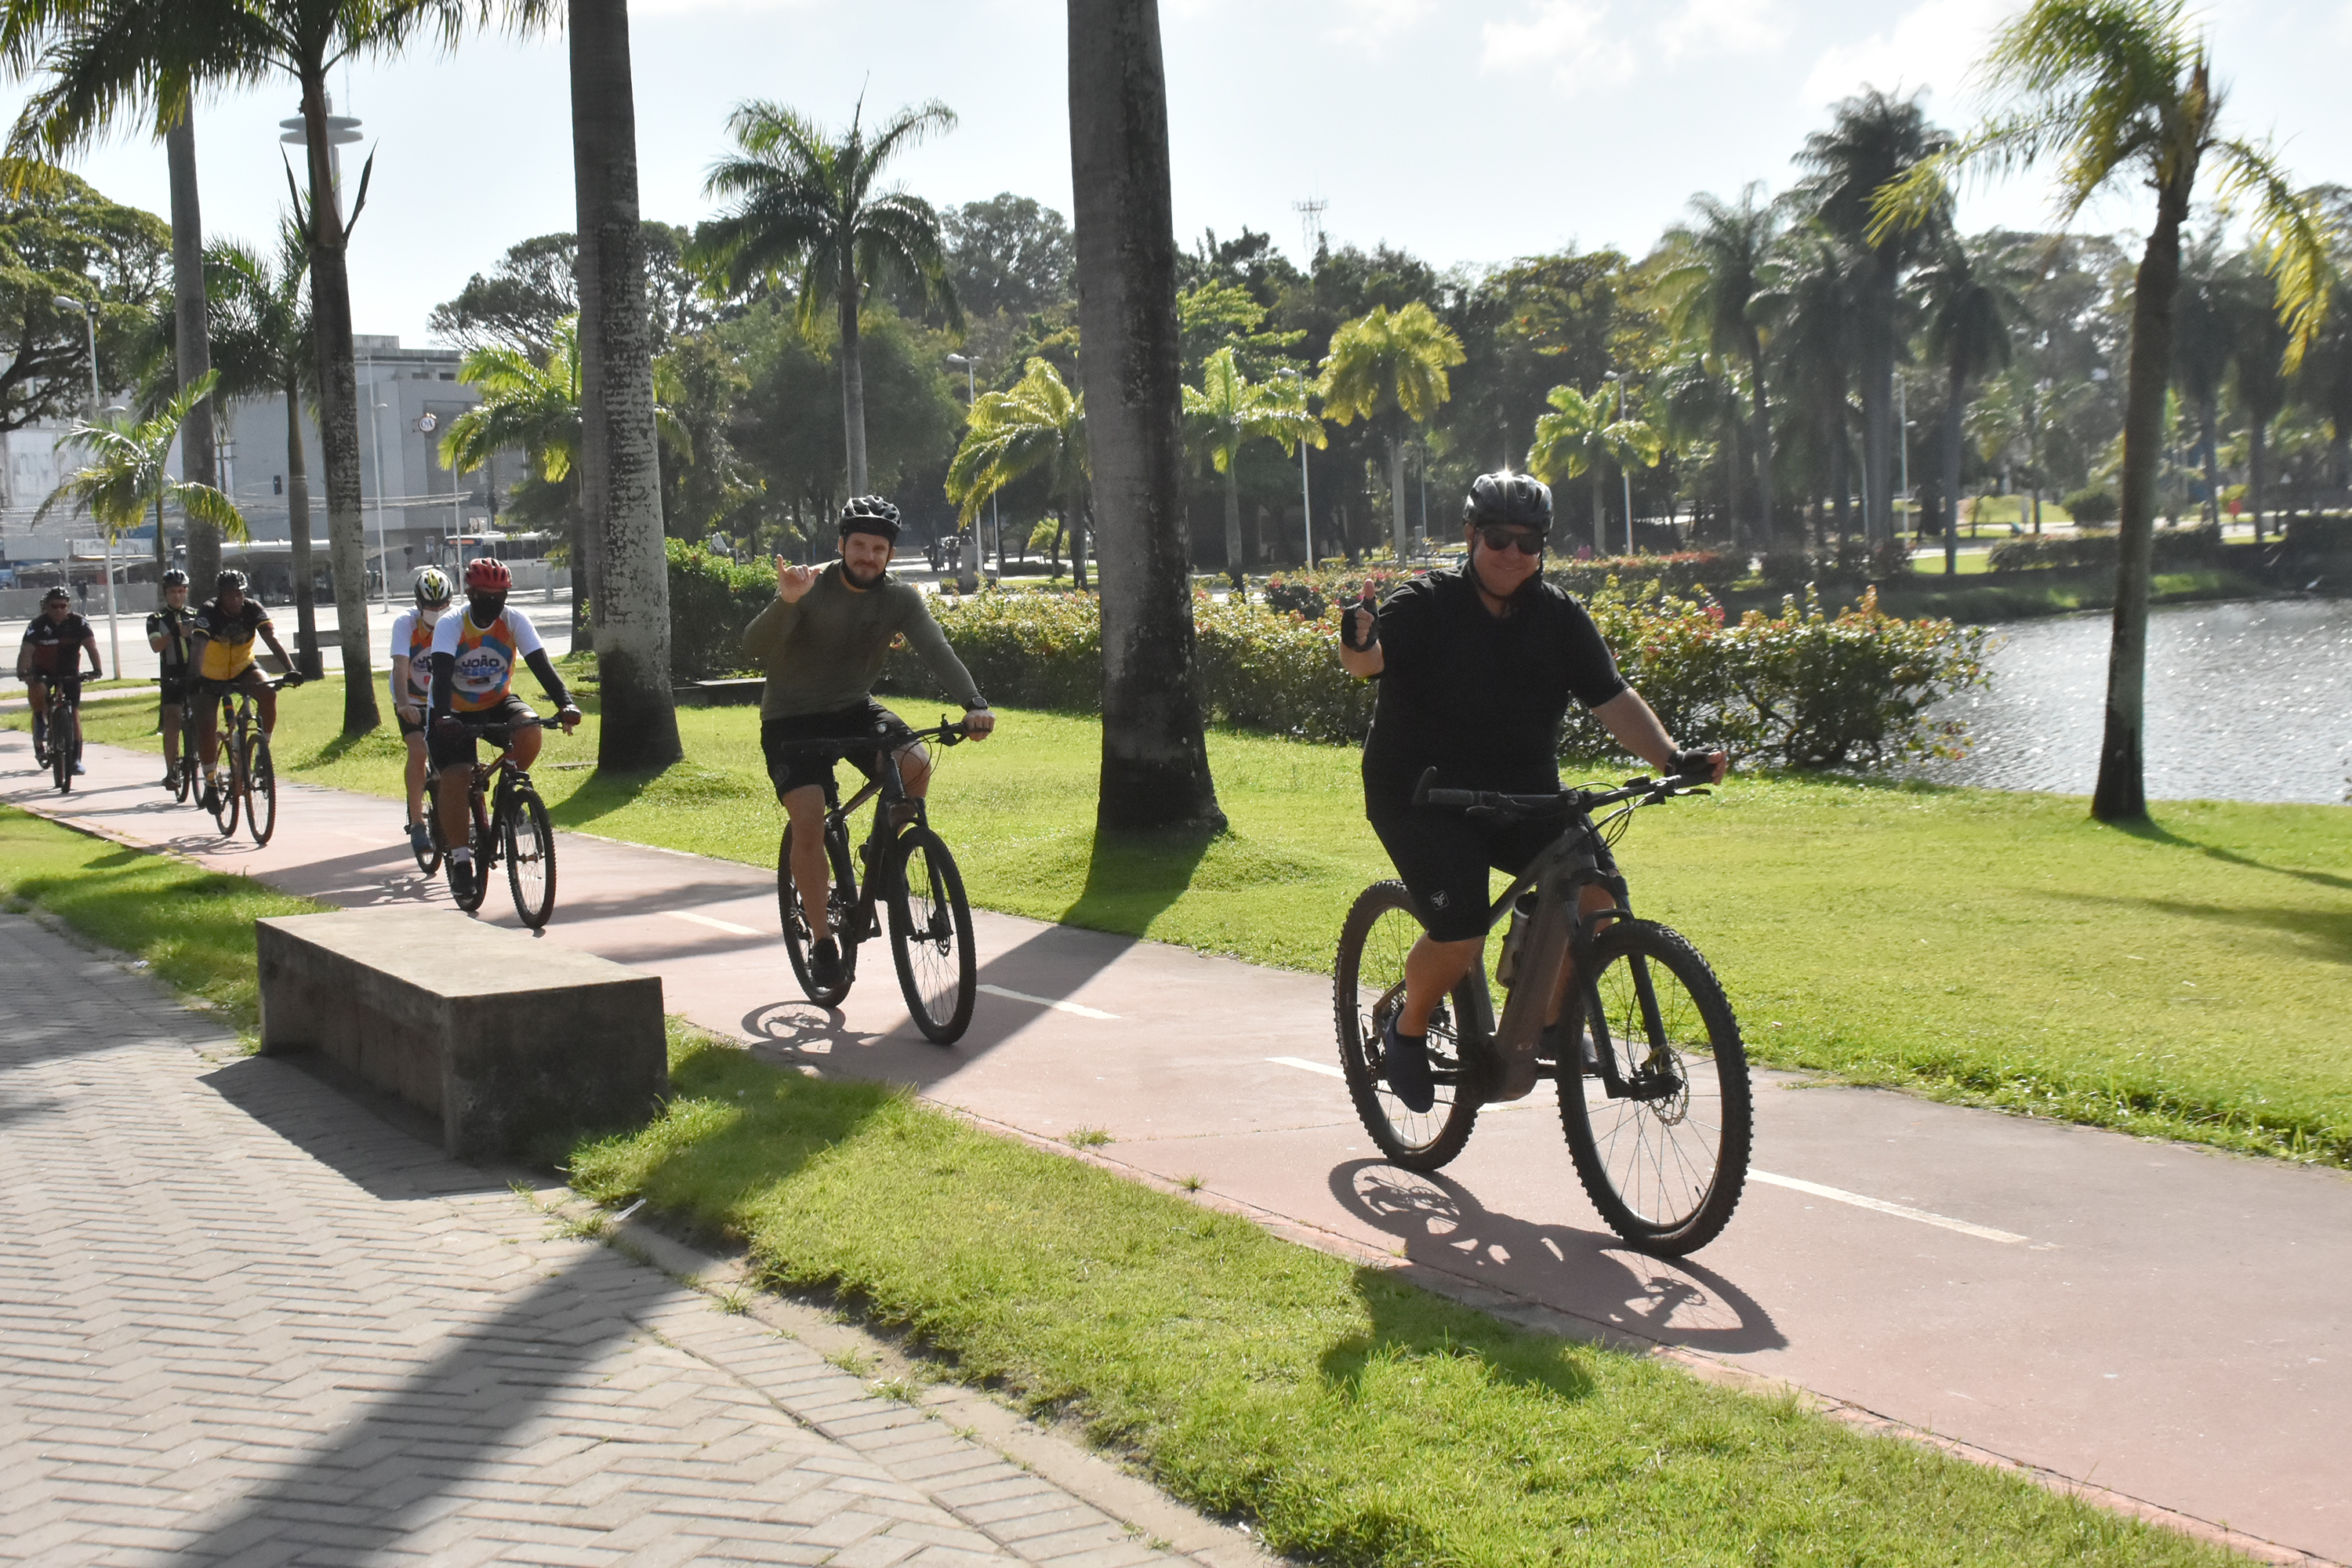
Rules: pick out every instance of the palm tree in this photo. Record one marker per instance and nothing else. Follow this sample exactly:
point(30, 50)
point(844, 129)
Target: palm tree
point(1971, 300)
point(805, 204)
point(1037, 427)
point(1874, 139)
point(1814, 344)
point(2122, 91)
point(1721, 289)
point(126, 473)
point(1389, 367)
point(1228, 412)
point(192, 353)
point(2259, 345)
point(110, 61)
point(2201, 352)
point(1155, 766)
point(1579, 435)
point(261, 347)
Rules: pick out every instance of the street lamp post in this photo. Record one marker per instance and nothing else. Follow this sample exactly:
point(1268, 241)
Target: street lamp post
point(1306, 508)
point(113, 632)
point(968, 573)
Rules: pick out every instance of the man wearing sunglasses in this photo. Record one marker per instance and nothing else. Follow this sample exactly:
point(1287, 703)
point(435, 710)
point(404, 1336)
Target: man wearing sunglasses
point(1477, 668)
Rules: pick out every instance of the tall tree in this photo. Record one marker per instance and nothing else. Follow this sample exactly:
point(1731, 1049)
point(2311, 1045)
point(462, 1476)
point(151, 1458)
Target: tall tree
point(1971, 300)
point(804, 203)
point(620, 461)
point(1721, 282)
point(109, 61)
point(2259, 345)
point(1388, 367)
point(1874, 139)
point(1228, 411)
point(2201, 347)
point(1814, 344)
point(191, 348)
point(1155, 764)
point(1583, 435)
point(61, 240)
point(2123, 90)
point(1037, 427)
point(261, 345)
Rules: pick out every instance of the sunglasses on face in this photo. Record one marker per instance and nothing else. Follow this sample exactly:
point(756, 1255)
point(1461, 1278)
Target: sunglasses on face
point(1506, 538)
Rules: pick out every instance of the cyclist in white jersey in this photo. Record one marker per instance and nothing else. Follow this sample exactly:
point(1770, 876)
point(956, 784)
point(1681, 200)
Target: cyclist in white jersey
point(412, 687)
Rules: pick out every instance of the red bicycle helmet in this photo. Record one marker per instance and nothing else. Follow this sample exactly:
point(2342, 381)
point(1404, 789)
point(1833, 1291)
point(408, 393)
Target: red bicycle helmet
point(484, 576)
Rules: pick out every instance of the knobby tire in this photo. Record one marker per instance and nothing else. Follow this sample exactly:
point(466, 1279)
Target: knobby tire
point(530, 856)
point(931, 936)
point(1367, 983)
point(799, 936)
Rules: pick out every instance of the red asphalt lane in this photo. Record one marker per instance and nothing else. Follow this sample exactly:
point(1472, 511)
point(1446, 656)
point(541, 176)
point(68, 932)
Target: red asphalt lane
point(2165, 1322)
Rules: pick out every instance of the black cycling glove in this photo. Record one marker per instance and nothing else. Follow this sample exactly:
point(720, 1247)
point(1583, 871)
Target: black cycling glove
point(1698, 764)
point(1371, 609)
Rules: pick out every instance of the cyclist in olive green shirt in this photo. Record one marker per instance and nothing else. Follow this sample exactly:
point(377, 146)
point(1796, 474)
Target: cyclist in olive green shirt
point(823, 644)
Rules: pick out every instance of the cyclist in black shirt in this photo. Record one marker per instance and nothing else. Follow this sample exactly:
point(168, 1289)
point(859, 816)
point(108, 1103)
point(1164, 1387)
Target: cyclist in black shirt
point(1477, 668)
point(53, 648)
point(168, 630)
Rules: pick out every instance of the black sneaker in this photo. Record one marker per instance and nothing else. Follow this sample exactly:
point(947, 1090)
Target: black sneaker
point(825, 964)
point(1407, 1059)
point(461, 881)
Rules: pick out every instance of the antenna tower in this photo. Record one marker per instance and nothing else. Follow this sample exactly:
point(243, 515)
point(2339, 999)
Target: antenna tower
point(1310, 226)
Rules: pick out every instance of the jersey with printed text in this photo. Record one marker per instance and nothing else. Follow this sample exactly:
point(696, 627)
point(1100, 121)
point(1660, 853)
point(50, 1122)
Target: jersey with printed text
point(412, 634)
point(485, 657)
point(56, 645)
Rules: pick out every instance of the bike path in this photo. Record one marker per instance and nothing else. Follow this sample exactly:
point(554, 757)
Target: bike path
point(2160, 1322)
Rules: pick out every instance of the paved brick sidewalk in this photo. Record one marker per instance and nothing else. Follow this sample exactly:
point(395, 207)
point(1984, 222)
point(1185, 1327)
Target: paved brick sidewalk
point(243, 1319)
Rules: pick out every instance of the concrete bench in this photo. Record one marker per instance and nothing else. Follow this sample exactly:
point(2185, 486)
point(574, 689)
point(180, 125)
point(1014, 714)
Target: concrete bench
point(733, 692)
point(503, 1037)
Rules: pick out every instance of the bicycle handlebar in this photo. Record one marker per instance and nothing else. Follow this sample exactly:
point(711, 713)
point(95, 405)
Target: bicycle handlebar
point(947, 731)
point(1556, 803)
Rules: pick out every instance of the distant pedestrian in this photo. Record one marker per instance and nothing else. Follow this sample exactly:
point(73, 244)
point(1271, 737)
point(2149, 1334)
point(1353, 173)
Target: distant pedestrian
point(81, 594)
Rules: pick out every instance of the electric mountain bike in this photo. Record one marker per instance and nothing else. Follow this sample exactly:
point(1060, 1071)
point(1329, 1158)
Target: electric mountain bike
point(1651, 1072)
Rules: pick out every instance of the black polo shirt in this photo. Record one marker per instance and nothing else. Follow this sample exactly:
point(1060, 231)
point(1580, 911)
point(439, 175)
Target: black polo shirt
point(1476, 696)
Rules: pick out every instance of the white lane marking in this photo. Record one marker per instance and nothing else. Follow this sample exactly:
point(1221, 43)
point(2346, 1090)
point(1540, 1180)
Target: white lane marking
point(730, 927)
point(1057, 1006)
point(1326, 1068)
point(1901, 1211)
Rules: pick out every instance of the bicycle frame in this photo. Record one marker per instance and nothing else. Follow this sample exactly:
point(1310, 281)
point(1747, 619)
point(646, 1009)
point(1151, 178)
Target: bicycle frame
point(890, 786)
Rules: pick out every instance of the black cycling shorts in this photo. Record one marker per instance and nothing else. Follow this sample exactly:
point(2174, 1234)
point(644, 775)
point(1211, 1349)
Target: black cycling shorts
point(206, 695)
point(1444, 856)
point(792, 765)
point(408, 728)
point(175, 690)
point(67, 687)
point(459, 750)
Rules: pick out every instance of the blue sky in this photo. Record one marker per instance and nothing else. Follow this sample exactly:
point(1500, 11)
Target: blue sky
point(1468, 130)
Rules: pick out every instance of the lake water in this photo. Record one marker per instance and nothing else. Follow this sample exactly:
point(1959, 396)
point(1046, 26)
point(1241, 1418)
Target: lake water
point(2245, 702)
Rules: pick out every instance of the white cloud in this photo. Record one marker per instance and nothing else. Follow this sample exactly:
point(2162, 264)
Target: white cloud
point(1933, 44)
point(1722, 26)
point(1570, 36)
point(1371, 22)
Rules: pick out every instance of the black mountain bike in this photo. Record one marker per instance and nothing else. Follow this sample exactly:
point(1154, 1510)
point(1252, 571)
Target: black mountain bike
point(909, 869)
point(57, 740)
point(510, 824)
point(252, 778)
point(1653, 1076)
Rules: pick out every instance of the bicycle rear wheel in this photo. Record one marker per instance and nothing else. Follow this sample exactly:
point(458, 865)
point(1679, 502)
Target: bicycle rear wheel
point(183, 781)
point(799, 936)
point(260, 791)
point(1367, 986)
point(931, 936)
point(1666, 1162)
point(530, 856)
point(429, 860)
point(41, 739)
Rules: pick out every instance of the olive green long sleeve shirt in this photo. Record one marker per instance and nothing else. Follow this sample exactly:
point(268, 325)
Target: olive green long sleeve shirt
point(824, 651)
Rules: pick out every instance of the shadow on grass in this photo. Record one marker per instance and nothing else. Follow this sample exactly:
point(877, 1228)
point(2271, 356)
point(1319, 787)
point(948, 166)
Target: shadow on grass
point(601, 793)
point(2330, 929)
point(2155, 832)
point(1410, 1323)
point(1133, 878)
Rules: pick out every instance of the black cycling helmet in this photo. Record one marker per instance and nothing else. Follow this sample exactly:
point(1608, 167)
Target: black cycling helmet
point(1519, 500)
point(870, 514)
point(231, 578)
point(175, 578)
point(57, 594)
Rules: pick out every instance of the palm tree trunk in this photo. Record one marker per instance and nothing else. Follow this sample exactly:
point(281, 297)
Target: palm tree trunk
point(2257, 451)
point(1599, 514)
point(2208, 416)
point(852, 380)
point(1234, 564)
point(297, 522)
point(1079, 521)
point(1399, 539)
point(1952, 433)
point(619, 457)
point(1763, 443)
point(2121, 794)
point(1155, 762)
point(192, 344)
point(338, 410)
point(1730, 483)
point(1878, 406)
point(1840, 477)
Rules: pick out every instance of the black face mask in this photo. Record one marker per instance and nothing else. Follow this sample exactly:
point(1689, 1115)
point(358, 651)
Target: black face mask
point(485, 608)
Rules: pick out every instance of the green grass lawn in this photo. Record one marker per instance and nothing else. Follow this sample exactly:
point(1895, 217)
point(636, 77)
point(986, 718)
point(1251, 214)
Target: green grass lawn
point(2186, 981)
point(1351, 1418)
point(193, 927)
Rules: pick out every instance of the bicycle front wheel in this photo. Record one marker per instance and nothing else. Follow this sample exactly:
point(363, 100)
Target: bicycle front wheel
point(63, 750)
point(799, 935)
point(1367, 986)
point(1664, 1162)
point(232, 788)
point(260, 791)
point(931, 936)
point(530, 857)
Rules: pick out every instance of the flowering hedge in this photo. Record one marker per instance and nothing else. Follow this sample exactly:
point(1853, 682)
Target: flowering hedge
point(2176, 549)
point(1803, 688)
